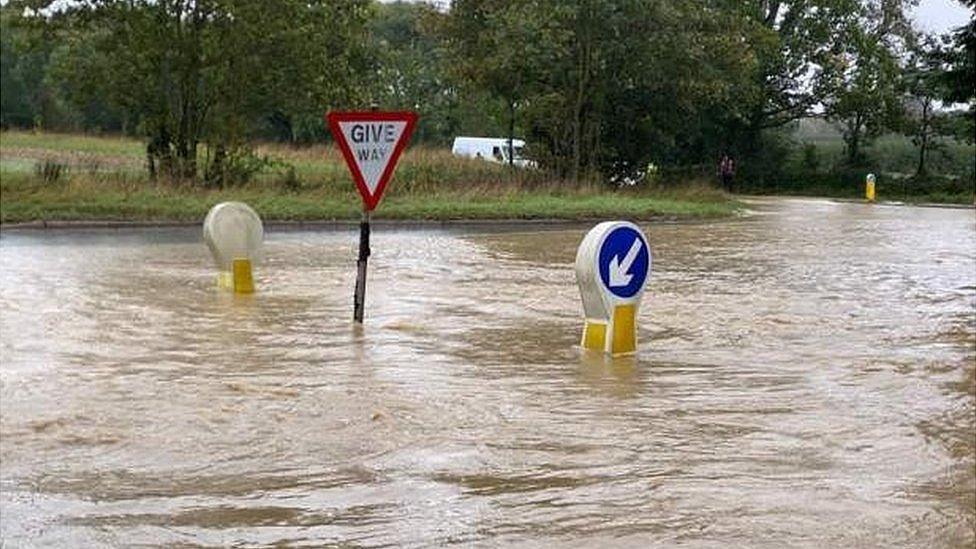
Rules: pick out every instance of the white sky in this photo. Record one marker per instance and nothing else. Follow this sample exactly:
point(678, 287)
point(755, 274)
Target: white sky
point(939, 16)
point(936, 16)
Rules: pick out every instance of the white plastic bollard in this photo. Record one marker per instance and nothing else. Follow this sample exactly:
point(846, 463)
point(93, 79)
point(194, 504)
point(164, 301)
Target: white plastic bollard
point(234, 233)
point(613, 264)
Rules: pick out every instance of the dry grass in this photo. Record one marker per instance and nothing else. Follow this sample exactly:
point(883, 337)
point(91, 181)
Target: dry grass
point(103, 179)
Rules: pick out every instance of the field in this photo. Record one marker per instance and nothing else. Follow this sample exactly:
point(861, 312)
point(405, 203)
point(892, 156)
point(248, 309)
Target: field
point(811, 160)
point(53, 177)
point(891, 153)
point(68, 177)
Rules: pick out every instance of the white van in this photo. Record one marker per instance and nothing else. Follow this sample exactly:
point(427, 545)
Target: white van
point(493, 149)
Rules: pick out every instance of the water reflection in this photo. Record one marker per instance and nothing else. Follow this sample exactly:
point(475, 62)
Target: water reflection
point(616, 376)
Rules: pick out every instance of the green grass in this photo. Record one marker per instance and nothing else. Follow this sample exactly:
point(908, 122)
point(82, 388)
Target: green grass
point(102, 179)
point(851, 183)
point(25, 200)
point(73, 143)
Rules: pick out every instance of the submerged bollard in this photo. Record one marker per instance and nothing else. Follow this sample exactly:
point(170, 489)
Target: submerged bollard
point(612, 266)
point(234, 233)
point(869, 187)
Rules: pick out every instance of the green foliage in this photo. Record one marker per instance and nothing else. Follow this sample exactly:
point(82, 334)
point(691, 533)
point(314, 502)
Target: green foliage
point(26, 100)
point(924, 82)
point(600, 89)
point(892, 157)
point(209, 72)
point(235, 166)
point(791, 47)
point(411, 71)
point(958, 75)
point(862, 93)
point(811, 162)
point(50, 171)
point(959, 78)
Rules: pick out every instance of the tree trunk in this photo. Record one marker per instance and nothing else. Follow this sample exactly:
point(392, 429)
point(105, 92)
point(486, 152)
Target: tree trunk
point(161, 150)
point(185, 149)
point(582, 81)
point(511, 132)
point(923, 140)
point(854, 141)
point(151, 161)
point(577, 132)
point(216, 172)
point(921, 157)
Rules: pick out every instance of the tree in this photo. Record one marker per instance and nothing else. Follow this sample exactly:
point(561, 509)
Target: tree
point(500, 47)
point(924, 78)
point(959, 78)
point(676, 77)
point(794, 42)
point(862, 91)
point(26, 100)
point(412, 68)
point(864, 97)
point(77, 73)
point(207, 72)
point(604, 87)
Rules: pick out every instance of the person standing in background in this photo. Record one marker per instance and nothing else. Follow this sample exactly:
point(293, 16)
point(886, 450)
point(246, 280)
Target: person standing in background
point(726, 171)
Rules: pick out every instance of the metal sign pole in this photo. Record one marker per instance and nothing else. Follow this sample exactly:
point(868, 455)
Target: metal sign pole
point(371, 143)
point(359, 300)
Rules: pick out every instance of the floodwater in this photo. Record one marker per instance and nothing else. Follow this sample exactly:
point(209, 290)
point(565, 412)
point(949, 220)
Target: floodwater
point(805, 378)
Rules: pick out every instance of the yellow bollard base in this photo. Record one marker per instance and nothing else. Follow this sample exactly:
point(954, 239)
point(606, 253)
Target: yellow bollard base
point(594, 335)
point(869, 192)
point(243, 279)
point(225, 280)
point(616, 337)
point(624, 331)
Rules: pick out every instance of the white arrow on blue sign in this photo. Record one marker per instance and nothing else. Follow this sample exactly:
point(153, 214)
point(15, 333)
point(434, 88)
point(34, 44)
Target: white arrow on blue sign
point(624, 261)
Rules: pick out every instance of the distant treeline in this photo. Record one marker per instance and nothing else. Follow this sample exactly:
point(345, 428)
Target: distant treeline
point(600, 89)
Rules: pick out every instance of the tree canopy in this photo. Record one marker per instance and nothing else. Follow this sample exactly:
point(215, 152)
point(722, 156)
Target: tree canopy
point(600, 89)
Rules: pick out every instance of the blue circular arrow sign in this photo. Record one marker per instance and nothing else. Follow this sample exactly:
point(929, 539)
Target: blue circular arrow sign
point(624, 262)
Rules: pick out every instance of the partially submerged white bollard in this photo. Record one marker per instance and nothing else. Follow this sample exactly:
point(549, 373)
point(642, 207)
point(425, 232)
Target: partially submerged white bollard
point(869, 182)
point(612, 266)
point(234, 233)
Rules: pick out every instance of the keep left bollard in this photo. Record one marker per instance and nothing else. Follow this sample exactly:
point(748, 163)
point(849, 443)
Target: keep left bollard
point(612, 266)
point(234, 233)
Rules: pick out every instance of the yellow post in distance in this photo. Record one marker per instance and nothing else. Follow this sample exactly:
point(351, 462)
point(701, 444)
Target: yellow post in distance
point(869, 187)
point(243, 278)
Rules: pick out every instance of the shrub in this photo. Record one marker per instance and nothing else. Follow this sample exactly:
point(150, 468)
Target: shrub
point(50, 170)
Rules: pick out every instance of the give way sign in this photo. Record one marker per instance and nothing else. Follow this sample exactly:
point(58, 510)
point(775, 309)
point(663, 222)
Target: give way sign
point(371, 142)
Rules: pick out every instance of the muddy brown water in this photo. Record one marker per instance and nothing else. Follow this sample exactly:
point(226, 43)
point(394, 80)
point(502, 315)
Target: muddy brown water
point(805, 378)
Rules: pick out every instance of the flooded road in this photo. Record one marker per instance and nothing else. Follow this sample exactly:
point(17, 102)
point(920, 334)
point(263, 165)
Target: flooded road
point(805, 378)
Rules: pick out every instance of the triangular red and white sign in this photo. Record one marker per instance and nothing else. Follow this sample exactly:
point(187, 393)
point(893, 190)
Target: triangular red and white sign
point(371, 142)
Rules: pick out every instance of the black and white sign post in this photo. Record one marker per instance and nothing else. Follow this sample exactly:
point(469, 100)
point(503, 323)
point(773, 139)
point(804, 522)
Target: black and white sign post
point(371, 142)
point(359, 299)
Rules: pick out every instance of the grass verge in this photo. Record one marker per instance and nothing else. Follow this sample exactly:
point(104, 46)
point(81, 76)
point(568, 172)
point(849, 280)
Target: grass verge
point(102, 179)
point(850, 184)
point(24, 200)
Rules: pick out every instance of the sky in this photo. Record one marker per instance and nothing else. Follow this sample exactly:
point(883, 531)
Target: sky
point(936, 16)
point(939, 16)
